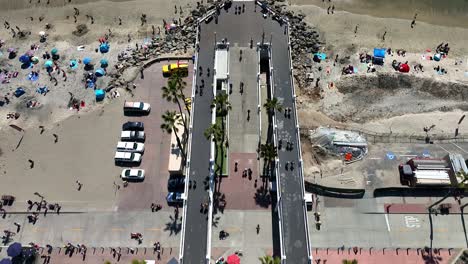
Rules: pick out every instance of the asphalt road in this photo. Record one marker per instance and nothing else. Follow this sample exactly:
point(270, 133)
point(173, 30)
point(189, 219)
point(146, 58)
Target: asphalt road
point(240, 29)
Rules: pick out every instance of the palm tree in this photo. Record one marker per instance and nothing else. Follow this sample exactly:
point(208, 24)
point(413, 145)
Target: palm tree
point(273, 104)
point(172, 94)
point(347, 261)
point(269, 260)
point(170, 122)
point(180, 84)
point(268, 152)
point(222, 104)
point(215, 131)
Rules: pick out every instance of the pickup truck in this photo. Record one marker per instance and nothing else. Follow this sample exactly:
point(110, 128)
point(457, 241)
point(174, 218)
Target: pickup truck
point(128, 135)
point(130, 147)
point(137, 107)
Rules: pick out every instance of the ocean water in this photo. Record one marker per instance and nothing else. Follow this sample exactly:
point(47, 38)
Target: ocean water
point(452, 13)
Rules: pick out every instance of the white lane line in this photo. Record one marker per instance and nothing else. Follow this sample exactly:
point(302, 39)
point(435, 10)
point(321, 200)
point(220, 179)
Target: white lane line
point(459, 147)
point(388, 224)
point(375, 158)
point(443, 148)
point(408, 155)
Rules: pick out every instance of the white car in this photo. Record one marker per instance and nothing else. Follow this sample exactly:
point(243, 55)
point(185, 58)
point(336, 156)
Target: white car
point(137, 107)
point(127, 157)
point(130, 146)
point(133, 174)
point(128, 135)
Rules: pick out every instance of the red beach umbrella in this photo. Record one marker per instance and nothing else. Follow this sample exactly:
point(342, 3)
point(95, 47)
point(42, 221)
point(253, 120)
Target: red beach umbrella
point(233, 259)
point(404, 68)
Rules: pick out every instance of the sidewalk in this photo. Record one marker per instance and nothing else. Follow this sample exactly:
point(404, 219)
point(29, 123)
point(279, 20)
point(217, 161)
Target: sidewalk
point(383, 256)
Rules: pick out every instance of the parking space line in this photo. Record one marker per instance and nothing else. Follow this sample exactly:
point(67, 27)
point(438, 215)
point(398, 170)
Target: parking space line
point(459, 147)
point(388, 224)
point(443, 148)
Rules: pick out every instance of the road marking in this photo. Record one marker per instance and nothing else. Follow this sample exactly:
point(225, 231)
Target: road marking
point(408, 155)
point(443, 148)
point(388, 224)
point(412, 222)
point(459, 147)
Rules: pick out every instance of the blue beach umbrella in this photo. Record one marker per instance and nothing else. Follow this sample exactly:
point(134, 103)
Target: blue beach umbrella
point(100, 72)
point(25, 59)
point(14, 250)
point(104, 63)
point(104, 48)
point(48, 64)
point(87, 61)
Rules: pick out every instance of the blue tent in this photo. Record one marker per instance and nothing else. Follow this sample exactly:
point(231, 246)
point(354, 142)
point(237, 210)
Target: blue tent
point(100, 94)
point(104, 48)
point(380, 53)
point(100, 72)
point(87, 61)
point(25, 59)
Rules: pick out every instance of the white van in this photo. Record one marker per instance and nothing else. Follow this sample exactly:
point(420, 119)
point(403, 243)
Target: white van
point(127, 135)
point(130, 147)
point(137, 107)
point(127, 157)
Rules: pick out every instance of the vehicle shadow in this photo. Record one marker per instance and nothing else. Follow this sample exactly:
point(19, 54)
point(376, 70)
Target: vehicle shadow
point(136, 114)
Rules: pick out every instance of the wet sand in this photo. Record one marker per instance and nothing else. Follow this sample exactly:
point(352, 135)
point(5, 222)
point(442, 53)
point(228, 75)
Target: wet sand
point(453, 13)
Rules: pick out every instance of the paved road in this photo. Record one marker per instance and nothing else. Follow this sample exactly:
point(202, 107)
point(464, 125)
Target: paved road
point(239, 29)
point(291, 201)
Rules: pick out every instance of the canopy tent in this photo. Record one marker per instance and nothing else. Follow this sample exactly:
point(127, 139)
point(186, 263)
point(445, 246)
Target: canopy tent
point(380, 53)
point(100, 72)
point(14, 249)
point(87, 60)
point(233, 259)
point(100, 94)
point(404, 67)
point(104, 47)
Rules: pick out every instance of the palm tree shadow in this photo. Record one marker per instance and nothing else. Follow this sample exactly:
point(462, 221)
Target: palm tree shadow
point(173, 226)
point(262, 197)
point(429, 258)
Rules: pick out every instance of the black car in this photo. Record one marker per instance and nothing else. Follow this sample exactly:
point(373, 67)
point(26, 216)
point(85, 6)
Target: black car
point(134, 126)
point(176, 184)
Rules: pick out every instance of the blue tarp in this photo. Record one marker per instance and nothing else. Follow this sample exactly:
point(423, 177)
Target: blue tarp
point(100, 94)
point(380, 53)
point(42, 90)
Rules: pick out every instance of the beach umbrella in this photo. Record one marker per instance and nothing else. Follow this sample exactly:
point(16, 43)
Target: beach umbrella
point(104, 48)
point(24, 59)
point(404, 67)
point(233, 259)
point(41, 33)
point(35, 60)
point(48, 64)
point(14, 249)
point(437, 57)
point(104, 63)
point(100, 94)
point(73, 64)
point(100, 72)
point(87, 61)
point(54, 51)
point(5, 261)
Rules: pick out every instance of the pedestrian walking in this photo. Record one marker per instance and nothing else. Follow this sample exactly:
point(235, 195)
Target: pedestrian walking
point(79, 185)
point(241, 88)
point(31, 163)
point(258, 228)
point(18, 227)
point(235, 166)
point(248, 115)
point(55, 138)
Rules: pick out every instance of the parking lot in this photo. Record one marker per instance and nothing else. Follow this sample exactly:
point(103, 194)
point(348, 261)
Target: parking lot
point(157, 145)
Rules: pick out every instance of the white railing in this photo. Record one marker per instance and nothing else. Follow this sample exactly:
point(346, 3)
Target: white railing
point(189, 148)
point(298, 146)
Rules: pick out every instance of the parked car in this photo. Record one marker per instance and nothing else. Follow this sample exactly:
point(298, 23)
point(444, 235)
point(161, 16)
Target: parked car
point(132, 136)
point(174, 198)
point(127, 157)
point(134, 126)
point(133, 174)
point(130, 147)
point(176, 184)
point(179, 67)
point(137, 107)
